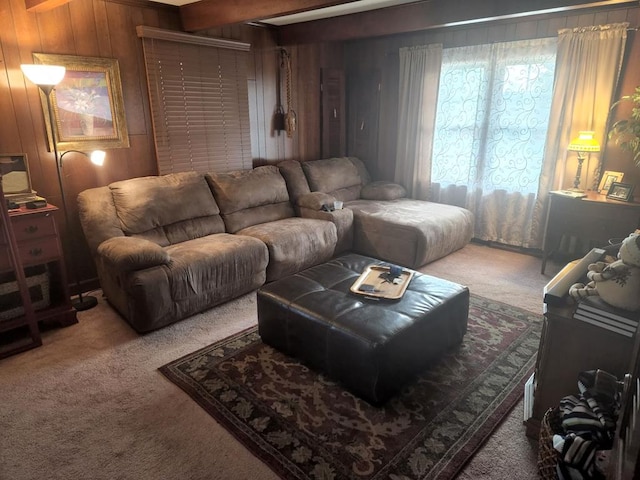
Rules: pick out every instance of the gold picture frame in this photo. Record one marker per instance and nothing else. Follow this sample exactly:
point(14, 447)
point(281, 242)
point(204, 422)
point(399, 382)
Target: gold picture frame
point(88, 107)
point(608, 177)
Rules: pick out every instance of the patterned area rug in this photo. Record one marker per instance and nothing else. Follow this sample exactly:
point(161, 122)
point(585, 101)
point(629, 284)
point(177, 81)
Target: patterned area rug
point(304, 426)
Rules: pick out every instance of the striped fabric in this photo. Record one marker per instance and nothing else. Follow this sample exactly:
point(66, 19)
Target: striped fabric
point(589, 423)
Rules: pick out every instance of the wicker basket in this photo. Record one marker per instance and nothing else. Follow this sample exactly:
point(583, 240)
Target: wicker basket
point(547, 455)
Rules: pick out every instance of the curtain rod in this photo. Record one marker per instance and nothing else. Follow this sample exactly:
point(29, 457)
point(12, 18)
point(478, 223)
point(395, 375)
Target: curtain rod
point(395, 52)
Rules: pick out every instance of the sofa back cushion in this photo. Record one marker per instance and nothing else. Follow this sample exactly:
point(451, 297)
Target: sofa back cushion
point(250, 197)
point(339, 177)
point(166, 209)
point(362, 170)
point(297, 185)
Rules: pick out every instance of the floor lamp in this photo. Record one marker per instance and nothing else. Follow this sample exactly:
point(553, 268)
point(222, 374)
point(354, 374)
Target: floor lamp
point(46, 77)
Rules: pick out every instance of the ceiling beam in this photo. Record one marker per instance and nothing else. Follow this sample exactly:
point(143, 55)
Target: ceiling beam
point(426, 15)
point(216, 13)
point(43, 5)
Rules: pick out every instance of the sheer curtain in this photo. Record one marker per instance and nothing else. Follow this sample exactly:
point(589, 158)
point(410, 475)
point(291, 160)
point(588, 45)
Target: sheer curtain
point(419, 77)
point(490, 129)
point(588, 66)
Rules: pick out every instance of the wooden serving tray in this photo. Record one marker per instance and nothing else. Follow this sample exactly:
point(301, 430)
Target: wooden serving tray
point(374, 275)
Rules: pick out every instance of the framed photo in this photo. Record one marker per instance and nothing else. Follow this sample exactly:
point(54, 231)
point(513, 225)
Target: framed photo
point(88, 108)
point(608, 177)
point(14, 171)
point(621, 191)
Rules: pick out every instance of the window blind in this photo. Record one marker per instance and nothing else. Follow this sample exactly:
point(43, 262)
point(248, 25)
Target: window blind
point(199, 102)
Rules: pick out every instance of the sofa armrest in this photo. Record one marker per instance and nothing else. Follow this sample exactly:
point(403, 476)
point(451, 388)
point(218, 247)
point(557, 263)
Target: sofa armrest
point(316, 201)
point(382, 190)
point(130, 253)
point(343, 220)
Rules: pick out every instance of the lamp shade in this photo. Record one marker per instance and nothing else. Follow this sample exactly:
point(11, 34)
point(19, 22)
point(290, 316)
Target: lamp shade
point(584, 143)
point(43, 74)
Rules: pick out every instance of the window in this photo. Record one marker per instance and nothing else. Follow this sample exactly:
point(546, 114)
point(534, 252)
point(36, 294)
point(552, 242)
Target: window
point(199, 101)
point(492, 115)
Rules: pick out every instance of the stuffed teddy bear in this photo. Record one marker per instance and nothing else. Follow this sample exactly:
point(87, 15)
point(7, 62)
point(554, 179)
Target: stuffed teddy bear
point(617, 283)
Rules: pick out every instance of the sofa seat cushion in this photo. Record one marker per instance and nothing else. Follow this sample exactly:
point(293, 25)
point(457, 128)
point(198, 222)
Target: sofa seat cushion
point(294, 244)
point(217, 262)
point(409, 232)
point(297, 185)
point(202, 273)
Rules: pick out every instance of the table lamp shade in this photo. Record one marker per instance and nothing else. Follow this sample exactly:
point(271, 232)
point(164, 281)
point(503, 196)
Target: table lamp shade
point(584, 143)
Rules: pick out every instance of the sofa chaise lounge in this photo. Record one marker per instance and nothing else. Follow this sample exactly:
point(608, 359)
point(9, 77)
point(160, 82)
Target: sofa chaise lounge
point(167, 247)
point(386, 224)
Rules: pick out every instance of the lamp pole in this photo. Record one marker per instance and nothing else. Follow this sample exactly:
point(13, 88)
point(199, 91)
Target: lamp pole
point(81, 303)
point(47, 86)
point(578, 179)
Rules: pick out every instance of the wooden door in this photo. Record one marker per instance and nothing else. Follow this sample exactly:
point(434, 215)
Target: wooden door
point(332, 121)
point(364, 109)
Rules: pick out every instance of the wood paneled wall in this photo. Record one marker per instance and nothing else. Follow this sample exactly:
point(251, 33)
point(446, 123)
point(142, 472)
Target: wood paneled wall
point(106, 28)
point(614, 158)
point(92, 28)
point(381, 54)
point(267, 75)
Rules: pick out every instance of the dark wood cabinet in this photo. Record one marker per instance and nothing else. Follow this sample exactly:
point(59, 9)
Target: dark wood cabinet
point(568, 347)
point(10, 262)
point(38, 247)
point(594, 217)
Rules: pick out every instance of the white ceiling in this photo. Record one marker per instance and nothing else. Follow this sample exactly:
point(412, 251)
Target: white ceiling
point(344, 9)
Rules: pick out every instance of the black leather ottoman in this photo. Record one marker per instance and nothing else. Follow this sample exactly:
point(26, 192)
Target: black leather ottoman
point(372, 347)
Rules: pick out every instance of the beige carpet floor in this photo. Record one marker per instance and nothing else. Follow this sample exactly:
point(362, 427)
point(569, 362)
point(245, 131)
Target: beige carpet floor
point(90, 403)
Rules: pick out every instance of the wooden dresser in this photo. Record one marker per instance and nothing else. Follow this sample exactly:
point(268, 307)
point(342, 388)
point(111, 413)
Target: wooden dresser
point(38, 242)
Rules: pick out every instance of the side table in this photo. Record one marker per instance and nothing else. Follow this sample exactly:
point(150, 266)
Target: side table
point(38, 242)
point(594, 217)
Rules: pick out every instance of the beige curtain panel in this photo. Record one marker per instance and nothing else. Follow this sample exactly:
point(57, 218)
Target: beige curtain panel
point(588, 66)
point(419, 81)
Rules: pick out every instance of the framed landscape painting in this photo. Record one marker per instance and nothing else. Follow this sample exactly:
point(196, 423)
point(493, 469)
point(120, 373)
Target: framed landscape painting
point(88, 107)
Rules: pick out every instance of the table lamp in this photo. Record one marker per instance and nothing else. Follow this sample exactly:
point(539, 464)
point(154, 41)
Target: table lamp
point(584, 143)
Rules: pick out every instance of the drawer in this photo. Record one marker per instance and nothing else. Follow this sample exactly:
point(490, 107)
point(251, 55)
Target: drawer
point(33, 226)
point(39, 251)
point(5, 262)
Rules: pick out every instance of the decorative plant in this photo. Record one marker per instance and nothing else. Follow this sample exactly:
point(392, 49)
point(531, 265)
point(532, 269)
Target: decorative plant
point(626, 132)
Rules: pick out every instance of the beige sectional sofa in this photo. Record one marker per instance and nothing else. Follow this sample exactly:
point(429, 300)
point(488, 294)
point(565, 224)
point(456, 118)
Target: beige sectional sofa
point(386, 224)
point(167, 247)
